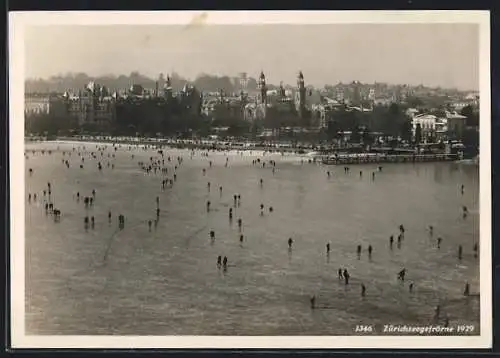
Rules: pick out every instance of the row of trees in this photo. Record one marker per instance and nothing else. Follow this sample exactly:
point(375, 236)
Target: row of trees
point(149, 117)
point(44, 123)
point(472, 116)
point(203, 82)
point(390, 121)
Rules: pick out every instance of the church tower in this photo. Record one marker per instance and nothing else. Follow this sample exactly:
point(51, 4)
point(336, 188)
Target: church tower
point(261, 84)
point(161, 86)
point(167, 89)
point(282, 93)
point(300, 97)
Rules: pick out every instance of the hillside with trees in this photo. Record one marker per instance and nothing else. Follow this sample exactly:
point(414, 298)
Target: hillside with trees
point(74, 82)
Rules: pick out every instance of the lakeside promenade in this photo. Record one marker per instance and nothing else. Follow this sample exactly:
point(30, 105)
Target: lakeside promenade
point(330, 156)
point(388, 158)
point(203, 144)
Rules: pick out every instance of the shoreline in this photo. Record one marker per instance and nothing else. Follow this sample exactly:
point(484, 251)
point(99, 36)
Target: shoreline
point(179, 144)
point(312, 155)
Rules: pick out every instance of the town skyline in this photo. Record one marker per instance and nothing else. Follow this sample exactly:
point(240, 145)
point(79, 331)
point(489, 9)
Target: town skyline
point(432, 55)
point(179, 76)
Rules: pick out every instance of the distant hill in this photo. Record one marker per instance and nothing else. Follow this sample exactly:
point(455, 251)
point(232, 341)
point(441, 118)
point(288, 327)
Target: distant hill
point(75, 82)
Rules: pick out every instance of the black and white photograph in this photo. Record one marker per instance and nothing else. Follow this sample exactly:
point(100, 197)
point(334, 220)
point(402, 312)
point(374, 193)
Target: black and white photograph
point(250, 179)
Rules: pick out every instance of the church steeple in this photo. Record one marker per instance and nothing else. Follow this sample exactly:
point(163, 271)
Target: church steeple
point(282, 90)
point(262, 88)
point(300, 77)
point(300, 98)
point(167, 88)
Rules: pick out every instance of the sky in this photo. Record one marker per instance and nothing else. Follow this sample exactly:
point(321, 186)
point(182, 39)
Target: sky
point(445, 55)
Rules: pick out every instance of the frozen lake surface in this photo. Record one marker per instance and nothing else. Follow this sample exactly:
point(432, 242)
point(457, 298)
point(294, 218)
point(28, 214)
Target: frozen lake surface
point(165, 281)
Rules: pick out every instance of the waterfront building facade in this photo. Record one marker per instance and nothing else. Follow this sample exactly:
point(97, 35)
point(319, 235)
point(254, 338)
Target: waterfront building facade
point(455, 124)
point(280, 107)
point(91, 106)
point(36, 103)
point(427, 123)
